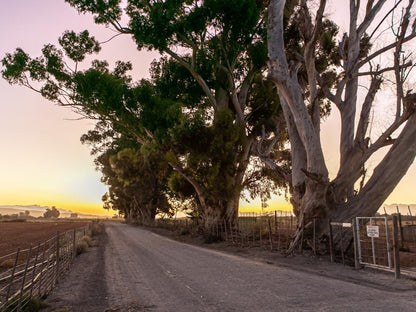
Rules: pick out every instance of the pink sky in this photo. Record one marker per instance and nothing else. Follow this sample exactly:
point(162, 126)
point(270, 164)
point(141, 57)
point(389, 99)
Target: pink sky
point(42, 160)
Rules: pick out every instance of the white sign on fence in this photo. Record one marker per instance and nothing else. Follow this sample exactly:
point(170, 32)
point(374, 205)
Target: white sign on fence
point(372, 231)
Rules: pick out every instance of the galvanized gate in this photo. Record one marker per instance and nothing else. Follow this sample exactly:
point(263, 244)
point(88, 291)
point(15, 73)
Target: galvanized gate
point(373, 241)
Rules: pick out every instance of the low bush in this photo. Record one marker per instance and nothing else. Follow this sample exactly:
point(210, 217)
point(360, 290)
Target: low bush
point(212, 238)
point(87, 240)
point(7, 264)
point(95, 228)
point(82, 247)
point(28, 304)
point(184, 231)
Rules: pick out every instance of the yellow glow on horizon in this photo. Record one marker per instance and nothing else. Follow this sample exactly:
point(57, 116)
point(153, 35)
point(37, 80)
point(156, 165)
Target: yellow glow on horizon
point(276, 203)
point(69, 205)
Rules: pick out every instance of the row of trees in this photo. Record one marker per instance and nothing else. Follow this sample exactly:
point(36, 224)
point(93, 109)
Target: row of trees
point(52, 212)
point(235, 103)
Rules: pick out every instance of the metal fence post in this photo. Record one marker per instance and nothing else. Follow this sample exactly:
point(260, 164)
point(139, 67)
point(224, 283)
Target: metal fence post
point(358, 239)
point(396, 249)
point(388, 242)
point(57, 257)
point(373, 248)
point(41, 269)
point(19, 305)
point(354, 234)
point(12, 275)
point(34, 270)
point(410, 213)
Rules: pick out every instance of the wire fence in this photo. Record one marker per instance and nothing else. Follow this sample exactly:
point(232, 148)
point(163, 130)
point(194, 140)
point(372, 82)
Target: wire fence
point(33, 272)
point(275, 230)
point(270, 230)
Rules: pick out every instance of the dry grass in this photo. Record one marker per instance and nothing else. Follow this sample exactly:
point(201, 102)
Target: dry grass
point(82, 247)
point(95, 228)
point(87, 239)
point(7, 264)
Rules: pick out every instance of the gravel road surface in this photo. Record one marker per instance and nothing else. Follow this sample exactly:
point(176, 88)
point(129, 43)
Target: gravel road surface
point(137, 270)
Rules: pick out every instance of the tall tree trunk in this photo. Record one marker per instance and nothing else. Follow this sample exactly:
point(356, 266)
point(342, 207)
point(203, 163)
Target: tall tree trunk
point(386, 176)
point(317, 198)
point(219, 212)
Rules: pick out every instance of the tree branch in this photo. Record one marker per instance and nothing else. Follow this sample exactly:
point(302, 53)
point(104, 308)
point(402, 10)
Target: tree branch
point(386, 69)
point(365, 110)
point(198, 77)
point(369, 17)
point(382, 50)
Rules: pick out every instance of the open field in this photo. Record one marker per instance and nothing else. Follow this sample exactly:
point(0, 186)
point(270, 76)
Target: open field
point(23, 234)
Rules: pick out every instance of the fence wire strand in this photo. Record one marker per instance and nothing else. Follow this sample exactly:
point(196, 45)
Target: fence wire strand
point(33, 272)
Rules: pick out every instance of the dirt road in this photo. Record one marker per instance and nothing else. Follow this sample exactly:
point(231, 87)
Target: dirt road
point(137, 270)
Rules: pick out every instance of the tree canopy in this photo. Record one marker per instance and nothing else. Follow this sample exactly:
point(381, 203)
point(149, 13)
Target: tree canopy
point(235, 103)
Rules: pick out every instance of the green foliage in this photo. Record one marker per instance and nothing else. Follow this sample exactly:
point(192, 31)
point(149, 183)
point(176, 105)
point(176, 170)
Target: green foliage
point(180, 186)
point(76, 46)
point(136, 180)
point(51, 213)
point(15, 64)
point(104, 11)
point(31, 304)
point(187, 113)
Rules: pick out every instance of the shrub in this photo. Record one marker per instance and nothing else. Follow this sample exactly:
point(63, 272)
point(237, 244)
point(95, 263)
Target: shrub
point(29, 304)
point(82, 247)
point(212, 238)
point(87, 240)
point(95, 229)
point(184, 231)
point(7, 264)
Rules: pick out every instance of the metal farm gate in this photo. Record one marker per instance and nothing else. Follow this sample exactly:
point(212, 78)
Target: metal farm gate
point(373, 241)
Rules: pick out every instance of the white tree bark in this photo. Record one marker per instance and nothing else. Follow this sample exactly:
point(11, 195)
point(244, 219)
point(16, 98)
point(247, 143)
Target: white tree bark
point(338, 199)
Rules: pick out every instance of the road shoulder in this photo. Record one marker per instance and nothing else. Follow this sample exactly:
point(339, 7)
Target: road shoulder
point(83, 289)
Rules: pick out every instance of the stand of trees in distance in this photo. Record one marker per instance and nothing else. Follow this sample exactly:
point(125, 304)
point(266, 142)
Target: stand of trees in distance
point(235, 104)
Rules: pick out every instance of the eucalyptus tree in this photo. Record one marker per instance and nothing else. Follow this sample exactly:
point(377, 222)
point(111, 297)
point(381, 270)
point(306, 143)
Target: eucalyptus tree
point(136, 185)
point(217, 49)
point(221, 45)
point(314, 194)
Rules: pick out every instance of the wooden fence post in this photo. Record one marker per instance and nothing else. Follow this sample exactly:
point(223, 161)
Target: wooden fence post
point(331, 240)
point(275, 221)
point(396, 249)
point(314, 237)
point(260, 236)
point(225, 228)
point(303, 230)
point(74, 244)
point(400, 225)
point(57, 257)
point(342, 246)
point(231, 232)
point(270, 235)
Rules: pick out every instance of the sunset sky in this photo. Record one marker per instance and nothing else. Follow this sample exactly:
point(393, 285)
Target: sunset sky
point(42, 160)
